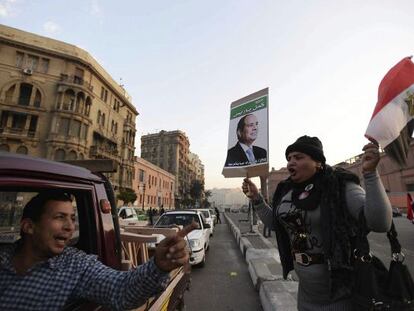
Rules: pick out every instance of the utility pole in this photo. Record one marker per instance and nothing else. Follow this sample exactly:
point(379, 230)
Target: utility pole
point(143, 196)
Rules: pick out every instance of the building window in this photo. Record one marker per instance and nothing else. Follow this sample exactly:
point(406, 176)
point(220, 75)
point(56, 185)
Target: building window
point(88, 106)
point(104, 94)
point(19, 121)
point(59, 155)
point(44, 65)
point(19, 59)
point(38, 99)
point(22, 150)
point(141, 175)
point(75, 128)
point(25, 94)
point(72, 156)
point(80, 102)
point(78, 77)
point(98, 119)
point(63, 126)
point(10, 93)
point(33, 125)
point(69, 100)
point(84, 131)
point(32, 62)
point(3, 119)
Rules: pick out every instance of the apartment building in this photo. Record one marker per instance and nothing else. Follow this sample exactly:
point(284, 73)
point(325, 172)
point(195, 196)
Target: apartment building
point(170, 150)
point(57, 102)
point(154, 186)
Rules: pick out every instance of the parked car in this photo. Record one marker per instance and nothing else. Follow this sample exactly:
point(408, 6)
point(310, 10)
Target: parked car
point(96, 219)
point(128, 213)
point(198, 239)
point(208, 218)
point(396, 212)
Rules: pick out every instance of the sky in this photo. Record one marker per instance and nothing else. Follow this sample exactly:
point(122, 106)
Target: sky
point(184, 62)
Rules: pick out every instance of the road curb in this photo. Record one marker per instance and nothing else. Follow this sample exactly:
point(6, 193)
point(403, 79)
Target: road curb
point(260, 272)
point(278, 295)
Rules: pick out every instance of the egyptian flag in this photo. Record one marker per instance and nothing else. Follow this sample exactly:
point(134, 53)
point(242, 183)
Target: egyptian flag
point(409, 207)
point(392, 123)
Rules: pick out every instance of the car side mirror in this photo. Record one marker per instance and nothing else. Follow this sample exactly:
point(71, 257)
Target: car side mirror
point(207, 226)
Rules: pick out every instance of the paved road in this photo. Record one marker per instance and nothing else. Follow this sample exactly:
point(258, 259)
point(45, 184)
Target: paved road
point(224, 283)
point(380, 245)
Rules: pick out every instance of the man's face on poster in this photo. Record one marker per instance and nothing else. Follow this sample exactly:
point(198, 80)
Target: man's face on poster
point(250, 130)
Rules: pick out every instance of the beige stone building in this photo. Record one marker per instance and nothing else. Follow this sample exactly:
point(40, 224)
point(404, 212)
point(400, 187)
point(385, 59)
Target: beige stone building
point(154, 186)
point(171, 152)
point(196, 167)
point(57, 102)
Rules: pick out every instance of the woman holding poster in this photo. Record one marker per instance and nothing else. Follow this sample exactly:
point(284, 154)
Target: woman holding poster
point(314, 213)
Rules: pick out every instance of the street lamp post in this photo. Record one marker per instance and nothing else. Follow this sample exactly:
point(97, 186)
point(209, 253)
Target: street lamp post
point(143, 195)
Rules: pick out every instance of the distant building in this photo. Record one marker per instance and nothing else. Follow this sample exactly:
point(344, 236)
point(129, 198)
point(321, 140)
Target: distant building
point(57, 102)
point(228, 197)
point(154, 186)
point(196, 167)
point(275, 177)
point(171, 152)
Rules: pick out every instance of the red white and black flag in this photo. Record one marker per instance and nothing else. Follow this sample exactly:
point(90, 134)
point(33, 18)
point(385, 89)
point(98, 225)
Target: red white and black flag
point(392, 122)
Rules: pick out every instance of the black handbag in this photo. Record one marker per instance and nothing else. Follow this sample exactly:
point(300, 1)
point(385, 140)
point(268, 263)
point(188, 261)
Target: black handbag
point(375, 286)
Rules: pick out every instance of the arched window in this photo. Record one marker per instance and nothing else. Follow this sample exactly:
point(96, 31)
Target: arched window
point(88, 106)
point(80, 102)
point(38, 99)
point(25, 94)
point(59, 155)
point(81, 156)
point(69, 100)
point(4, 147)
point(72, 155)
point(22, 150)
point(9, 93)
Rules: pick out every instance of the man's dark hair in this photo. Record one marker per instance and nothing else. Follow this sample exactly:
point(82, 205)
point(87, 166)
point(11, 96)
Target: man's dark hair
point(240, 126)
point(35, 207)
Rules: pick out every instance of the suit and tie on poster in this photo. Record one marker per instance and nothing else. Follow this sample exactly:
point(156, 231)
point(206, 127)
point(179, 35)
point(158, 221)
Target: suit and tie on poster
point(248, 141)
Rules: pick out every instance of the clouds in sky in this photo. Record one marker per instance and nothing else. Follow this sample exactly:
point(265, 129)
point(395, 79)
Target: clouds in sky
point(96, 10)
point(51, 28)
point(6, 7)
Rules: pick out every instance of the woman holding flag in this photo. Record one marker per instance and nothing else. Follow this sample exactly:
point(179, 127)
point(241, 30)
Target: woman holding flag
point(315, 213)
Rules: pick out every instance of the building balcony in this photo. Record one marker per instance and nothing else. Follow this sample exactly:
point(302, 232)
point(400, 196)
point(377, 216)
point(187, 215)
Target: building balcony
point(100, 152)
point(129, 124)
point(75, 81)
point(19, 133)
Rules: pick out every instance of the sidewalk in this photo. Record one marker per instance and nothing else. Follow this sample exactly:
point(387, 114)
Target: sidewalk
point(265, 269)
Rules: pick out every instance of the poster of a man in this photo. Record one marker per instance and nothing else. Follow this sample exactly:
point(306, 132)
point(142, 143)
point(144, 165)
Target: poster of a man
point(244, 152)
point(247, 151)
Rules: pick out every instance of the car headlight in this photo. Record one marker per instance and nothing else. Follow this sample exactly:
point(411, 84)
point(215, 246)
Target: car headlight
point(195, 243)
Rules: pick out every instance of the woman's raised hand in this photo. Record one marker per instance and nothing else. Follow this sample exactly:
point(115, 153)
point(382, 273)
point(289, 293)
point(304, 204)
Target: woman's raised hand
point(250, 189)
point(370, 158)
